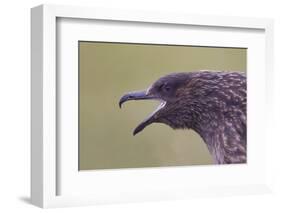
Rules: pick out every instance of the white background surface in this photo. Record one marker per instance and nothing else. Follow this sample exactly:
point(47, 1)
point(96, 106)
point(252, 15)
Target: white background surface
point(15, 104)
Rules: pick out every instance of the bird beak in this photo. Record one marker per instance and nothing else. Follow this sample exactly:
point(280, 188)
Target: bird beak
point(138, 95)
point(141, 95)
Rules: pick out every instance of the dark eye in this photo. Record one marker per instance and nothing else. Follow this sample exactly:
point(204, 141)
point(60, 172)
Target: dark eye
point(166, 88)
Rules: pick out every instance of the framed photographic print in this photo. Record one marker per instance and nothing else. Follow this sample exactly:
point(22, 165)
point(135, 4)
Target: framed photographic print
point(132, 106)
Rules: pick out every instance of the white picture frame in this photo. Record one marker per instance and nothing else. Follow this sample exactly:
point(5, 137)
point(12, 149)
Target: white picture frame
point(45, 166)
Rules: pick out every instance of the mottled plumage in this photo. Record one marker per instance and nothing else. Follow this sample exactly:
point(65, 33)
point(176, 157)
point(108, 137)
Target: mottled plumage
point(211, 103)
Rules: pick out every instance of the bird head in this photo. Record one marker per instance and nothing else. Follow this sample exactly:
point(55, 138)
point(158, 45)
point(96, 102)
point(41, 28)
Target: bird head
point(197, 100)
point(176, 93)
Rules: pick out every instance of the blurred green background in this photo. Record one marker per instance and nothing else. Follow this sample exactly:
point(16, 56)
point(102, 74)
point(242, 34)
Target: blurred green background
point(107, 71)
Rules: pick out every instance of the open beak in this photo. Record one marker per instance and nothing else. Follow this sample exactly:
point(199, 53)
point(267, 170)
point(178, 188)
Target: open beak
point(142, 95)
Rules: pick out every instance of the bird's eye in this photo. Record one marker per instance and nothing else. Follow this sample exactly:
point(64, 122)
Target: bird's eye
point(166, 88)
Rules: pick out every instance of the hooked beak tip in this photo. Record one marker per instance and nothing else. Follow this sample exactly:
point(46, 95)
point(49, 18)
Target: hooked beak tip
point(123, 99)
point(138, 95)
